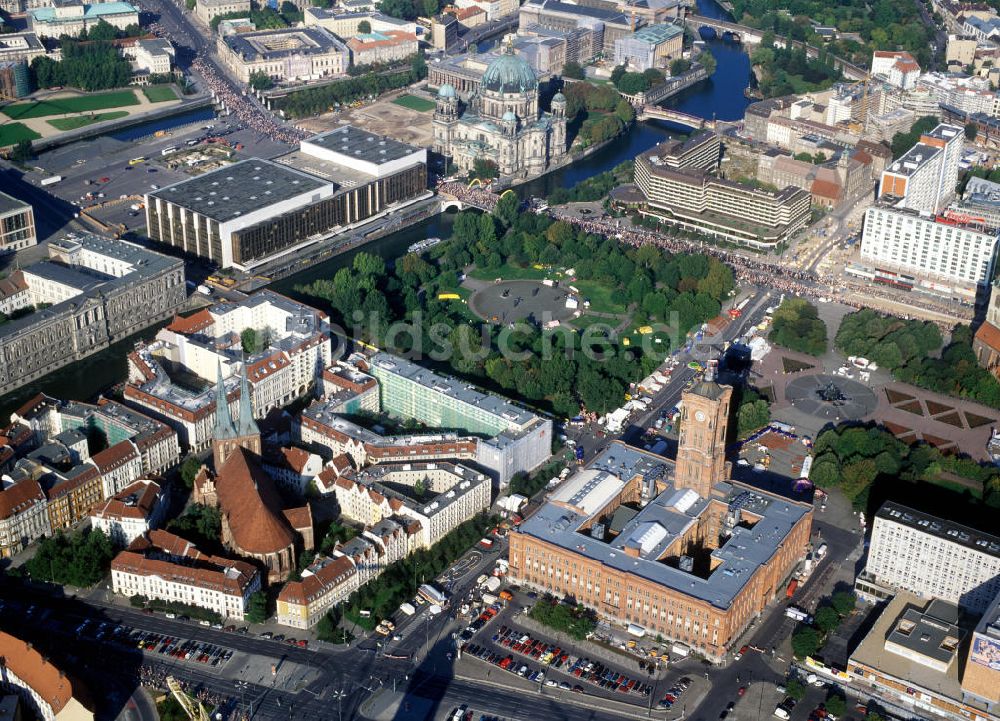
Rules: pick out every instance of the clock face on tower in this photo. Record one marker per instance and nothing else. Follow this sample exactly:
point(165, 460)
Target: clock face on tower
point(699, 416)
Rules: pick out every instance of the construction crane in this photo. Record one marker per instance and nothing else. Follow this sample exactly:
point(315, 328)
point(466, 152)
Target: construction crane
point(194, 709)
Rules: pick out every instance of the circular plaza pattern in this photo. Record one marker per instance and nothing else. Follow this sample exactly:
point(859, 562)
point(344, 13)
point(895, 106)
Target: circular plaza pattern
point(511, 301)
point(832, 398)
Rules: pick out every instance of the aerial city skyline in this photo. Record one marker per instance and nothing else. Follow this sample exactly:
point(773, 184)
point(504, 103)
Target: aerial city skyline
point(499, 360)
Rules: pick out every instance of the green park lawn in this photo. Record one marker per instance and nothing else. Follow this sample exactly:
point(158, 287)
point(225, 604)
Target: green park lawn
point(159, 93)
point(79, 121)
point(11, 133)
point(421, 105)
point(79, 104)
point(600, 296)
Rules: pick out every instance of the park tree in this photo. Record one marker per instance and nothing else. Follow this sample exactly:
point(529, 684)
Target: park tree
point(971, 131)
point(259, 80)
point(573, 70)
point(257, 611)
point(250, 341)
point(679, 66)
point(364, 27)
point(836, 704)
point(843, 602)
point(484, 169)
point(707, 61)
point(189, 470)
point(631, 83)
point(624, 111)
point(507, 209)
point(795, 688)
point(826, 619)
point(21, 152)
point(805, 642)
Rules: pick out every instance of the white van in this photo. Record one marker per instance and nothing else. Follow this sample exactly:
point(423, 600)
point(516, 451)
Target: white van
point(781, 712)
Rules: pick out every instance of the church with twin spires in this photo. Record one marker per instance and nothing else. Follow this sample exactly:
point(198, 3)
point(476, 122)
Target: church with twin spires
point(255, 523)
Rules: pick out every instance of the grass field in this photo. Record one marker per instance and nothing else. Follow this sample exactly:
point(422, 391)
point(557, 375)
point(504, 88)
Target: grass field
point(79, 104)
point(11, 133)
point(412, 102)
point(159, 93)
point(509, 272)
point(600, 296)
point(79, 121)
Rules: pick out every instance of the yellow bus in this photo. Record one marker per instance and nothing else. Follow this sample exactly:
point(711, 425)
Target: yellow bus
point(136, 161)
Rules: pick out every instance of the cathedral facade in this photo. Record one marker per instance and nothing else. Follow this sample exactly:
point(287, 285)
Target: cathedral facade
point(501, 122)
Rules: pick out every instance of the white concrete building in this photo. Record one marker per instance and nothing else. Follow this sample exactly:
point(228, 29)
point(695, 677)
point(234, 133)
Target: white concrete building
point(293, 468)
point(17, 219)
point(24, 516)
point(325, 583)
point(443, 495)
point(166, 567)
point(155, 57)
point(118, 465)
point(896, 67)
point(930, 557)
point(73, 19)
point(133, 512)
point(924, 178)
point(940, 254)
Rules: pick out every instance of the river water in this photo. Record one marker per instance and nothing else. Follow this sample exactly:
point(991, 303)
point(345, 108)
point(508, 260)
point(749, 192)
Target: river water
point(721, 96)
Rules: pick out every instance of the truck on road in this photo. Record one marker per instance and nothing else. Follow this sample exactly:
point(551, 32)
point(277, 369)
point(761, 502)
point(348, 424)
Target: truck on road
point(51, 180)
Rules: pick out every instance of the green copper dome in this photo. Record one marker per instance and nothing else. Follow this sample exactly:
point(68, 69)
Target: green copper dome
point(509, 74)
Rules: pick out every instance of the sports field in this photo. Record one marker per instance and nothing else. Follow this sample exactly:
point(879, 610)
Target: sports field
point(159, 93)
point(79, 121)
point(75, 104)
point(11, 133)
point(421, 105)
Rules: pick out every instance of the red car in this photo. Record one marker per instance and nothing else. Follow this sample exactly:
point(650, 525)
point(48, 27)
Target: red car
point(105, 180)
point(742, 690)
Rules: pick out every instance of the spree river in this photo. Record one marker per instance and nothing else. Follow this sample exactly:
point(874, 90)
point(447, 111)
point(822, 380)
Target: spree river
point(721, 97)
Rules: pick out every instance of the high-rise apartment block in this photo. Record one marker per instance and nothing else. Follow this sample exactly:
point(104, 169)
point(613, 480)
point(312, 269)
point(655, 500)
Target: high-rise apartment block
point(924, 178)
point(930, 557)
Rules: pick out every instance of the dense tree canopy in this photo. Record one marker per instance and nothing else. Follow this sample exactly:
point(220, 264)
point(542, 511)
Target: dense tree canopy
point(677, 291)
point(910, 348)
point(881, 25)
point(797, 326)
point(84, 65)
point(78, 559)
point(901, 142)
point(312, 101)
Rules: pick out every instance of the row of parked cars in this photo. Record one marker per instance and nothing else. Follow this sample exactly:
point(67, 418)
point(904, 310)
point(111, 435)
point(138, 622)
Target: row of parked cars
point(550, 654)
point(484, 617)
point(674, 693)
point(507, 663)
point(184, 650)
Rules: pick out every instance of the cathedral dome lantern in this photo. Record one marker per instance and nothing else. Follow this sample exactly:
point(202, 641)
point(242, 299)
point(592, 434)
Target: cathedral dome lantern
point(509, 74)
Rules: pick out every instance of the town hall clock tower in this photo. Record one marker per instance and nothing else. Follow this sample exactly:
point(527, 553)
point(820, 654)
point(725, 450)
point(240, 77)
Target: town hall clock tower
point(701, 450)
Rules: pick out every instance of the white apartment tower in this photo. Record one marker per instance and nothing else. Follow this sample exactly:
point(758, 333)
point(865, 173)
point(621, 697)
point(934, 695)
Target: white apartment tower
point(930, 557)
point(924, 178)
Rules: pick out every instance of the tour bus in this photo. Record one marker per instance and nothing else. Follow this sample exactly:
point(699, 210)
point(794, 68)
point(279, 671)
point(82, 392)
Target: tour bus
point(136, 161)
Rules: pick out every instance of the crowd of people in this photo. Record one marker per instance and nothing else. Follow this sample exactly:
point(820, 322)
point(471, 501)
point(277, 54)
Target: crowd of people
point(154, 677)
point(480, 197)
point(246, 111)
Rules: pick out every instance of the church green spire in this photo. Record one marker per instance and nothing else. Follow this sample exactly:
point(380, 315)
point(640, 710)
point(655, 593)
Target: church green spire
point(247, 425)
point(224, 427)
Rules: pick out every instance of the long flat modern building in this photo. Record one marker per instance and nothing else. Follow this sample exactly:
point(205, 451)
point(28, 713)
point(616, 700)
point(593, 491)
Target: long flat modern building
point(931, 557)
point(286, 54)
point(676, 187)
point(624, 537)
point(249, 213)
point(513, 439)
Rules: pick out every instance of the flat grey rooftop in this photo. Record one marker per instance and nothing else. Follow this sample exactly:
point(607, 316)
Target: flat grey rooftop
point(312, 40)
point(360, 144)
point(8, 204)
point(64, 275)
point(238, 189)
point(653, 528)
point(495, 405)
point(940, 528)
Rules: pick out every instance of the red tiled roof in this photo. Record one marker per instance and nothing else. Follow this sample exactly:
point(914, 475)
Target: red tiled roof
point(146, 493)
point(298, 518)
point(193, 323)
point(208, 572)
point(49, 682)
point(333, 573)
point(989, 335)
point(272, 364)
point(826, 189)
point(20, 497)
point(249, 500)
point(115, 456)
